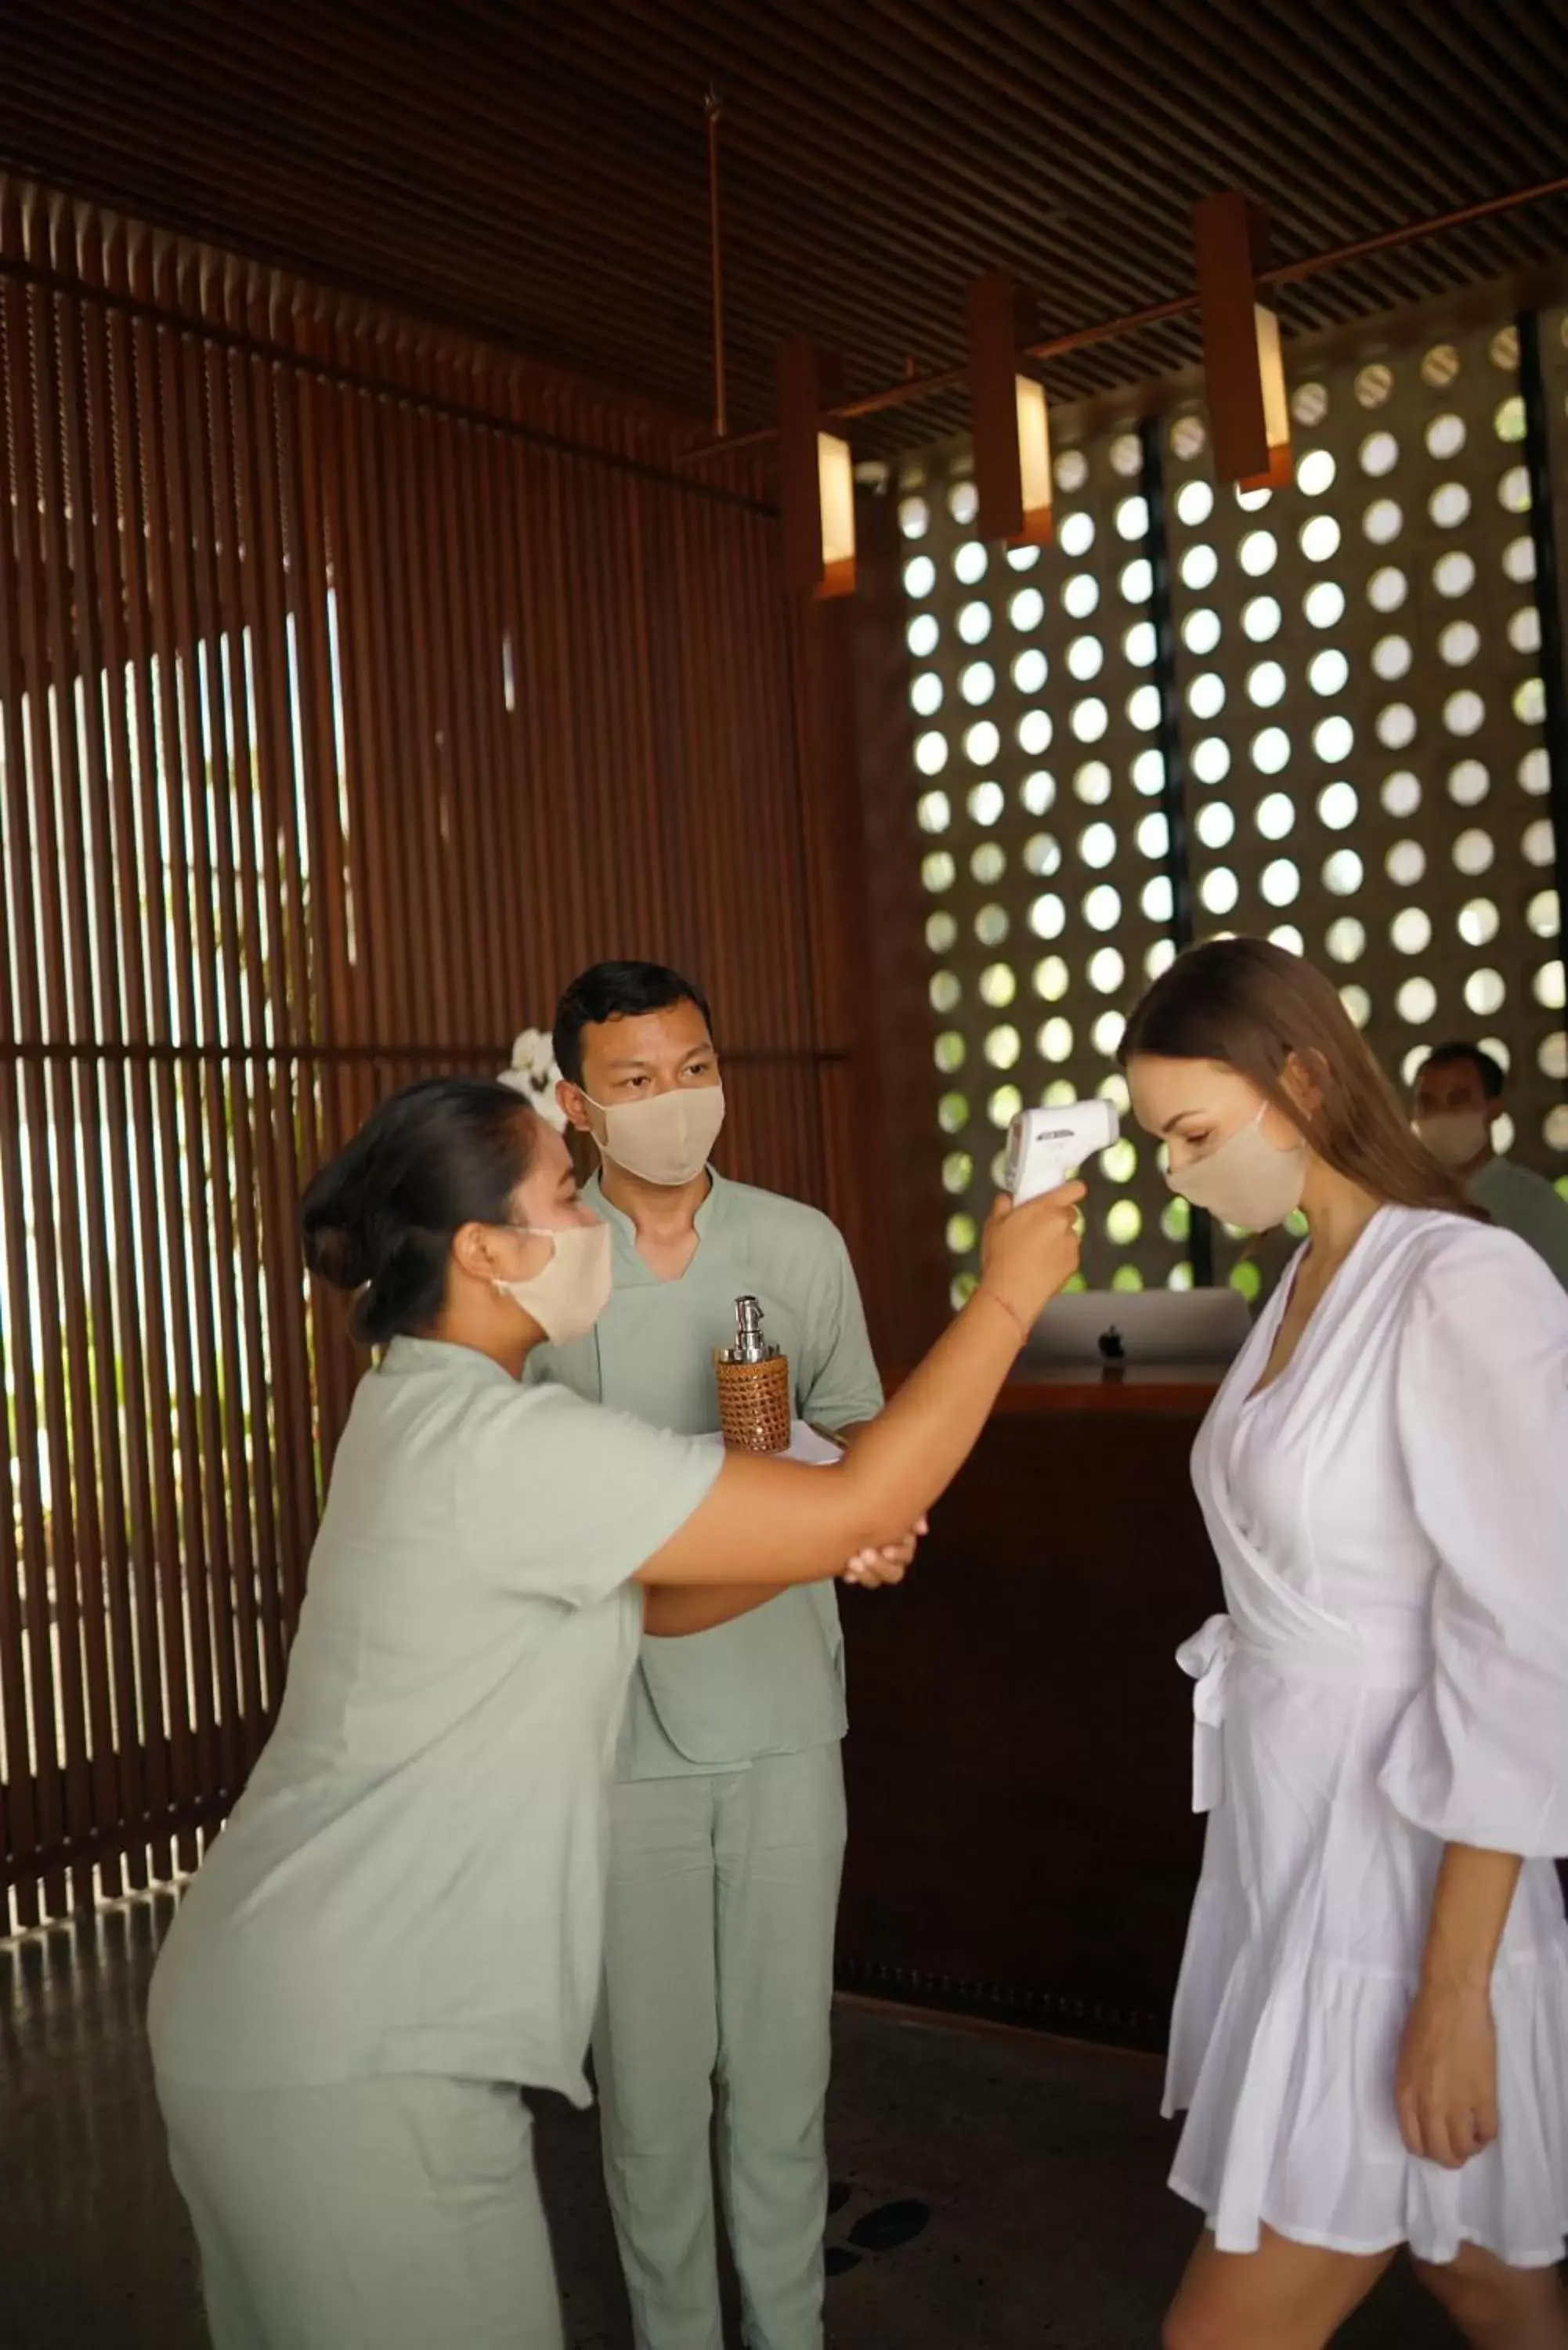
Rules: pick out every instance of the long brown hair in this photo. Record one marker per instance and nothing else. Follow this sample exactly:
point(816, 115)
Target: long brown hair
point(1252, 1006)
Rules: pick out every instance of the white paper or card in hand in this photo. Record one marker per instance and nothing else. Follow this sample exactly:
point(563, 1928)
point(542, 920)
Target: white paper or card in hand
point(804, 1444)
point(807, 1444)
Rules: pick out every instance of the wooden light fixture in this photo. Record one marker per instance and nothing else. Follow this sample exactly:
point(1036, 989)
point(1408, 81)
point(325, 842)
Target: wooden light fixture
point(1008, 414)
point(817, 482)
point(1249, 415)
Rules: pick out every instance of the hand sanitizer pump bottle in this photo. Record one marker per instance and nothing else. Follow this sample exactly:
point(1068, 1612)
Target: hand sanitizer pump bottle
point(753, 1386)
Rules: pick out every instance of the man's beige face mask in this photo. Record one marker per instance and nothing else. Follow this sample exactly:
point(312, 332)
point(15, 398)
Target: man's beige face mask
point(665, 1139)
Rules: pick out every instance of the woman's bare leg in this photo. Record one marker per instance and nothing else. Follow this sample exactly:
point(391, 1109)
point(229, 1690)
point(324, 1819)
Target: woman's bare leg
point(1284, 2296)
point(1496, 2307)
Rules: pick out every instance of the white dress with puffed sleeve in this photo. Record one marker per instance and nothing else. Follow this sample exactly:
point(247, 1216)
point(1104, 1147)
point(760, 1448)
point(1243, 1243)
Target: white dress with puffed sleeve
point(1391, 1675)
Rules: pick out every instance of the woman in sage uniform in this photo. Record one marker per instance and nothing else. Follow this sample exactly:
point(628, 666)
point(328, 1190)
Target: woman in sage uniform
point(373, 1956)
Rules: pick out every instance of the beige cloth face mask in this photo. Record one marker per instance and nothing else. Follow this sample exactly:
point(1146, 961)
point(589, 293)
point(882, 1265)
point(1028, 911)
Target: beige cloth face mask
point(1455, 1137)
point(569, 1297)
point(1246, 1180)
point(666, 1138)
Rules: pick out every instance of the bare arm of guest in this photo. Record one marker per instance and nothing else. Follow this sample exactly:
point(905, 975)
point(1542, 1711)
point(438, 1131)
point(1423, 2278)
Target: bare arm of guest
point(1445, 2086)
point(1480, 1760)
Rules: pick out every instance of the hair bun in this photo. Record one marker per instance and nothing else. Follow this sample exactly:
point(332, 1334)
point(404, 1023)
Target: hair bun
point(338, 1252)
point(378, 1220)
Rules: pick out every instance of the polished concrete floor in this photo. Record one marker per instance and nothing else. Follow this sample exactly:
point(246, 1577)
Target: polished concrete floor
point(995, 2191)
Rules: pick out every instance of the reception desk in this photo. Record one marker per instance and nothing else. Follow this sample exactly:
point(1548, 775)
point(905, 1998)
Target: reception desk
point(1022, 1840)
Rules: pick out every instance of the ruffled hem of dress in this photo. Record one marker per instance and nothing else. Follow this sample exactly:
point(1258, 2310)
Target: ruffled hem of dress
point(1364, 2250)
point(1291, 2124)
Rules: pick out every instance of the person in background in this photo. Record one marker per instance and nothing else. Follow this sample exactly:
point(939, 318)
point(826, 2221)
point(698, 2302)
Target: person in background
point(727, 1820)
point(401, 1923)
point(1456, 1102)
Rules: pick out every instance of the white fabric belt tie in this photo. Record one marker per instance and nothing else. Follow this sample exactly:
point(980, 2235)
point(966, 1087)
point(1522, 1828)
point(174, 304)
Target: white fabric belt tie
point(1329, 1658)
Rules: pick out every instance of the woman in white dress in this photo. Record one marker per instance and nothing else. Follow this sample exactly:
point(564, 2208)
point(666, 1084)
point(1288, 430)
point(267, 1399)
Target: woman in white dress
point(1371, 2028)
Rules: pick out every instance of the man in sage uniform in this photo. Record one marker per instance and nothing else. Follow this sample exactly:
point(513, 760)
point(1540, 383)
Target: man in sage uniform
point(1456, 1100)
point(727, 1819)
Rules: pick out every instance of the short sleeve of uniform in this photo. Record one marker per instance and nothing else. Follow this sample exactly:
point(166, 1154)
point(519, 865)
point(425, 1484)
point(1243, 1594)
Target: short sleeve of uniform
point(561, 1499)
point(1480, 1757)
point(839, 1383)
point(1542, 1219)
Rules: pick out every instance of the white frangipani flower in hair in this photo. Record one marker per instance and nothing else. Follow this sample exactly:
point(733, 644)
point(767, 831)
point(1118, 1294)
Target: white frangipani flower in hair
point(533, 1075)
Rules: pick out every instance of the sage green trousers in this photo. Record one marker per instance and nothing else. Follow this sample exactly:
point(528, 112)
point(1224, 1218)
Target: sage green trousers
point(717, 1996)
point(398, 2213)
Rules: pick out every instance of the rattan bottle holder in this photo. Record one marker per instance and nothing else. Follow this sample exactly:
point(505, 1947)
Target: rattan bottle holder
point(754, 1414)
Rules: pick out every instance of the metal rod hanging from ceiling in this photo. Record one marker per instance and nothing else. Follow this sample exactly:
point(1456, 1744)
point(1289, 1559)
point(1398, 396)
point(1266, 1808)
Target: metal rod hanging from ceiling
point(714, 110)
point(916, 387)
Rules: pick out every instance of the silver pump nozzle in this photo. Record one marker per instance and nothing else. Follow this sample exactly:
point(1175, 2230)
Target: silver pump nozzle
point(750, 1345)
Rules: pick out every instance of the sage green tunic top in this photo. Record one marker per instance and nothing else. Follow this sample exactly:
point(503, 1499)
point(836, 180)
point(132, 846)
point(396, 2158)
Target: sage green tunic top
point(771, 1683)
point(414, 1879)
point(1524, 1202)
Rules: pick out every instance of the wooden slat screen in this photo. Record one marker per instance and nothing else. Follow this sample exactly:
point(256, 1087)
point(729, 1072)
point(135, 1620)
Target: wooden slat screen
point(356, 687)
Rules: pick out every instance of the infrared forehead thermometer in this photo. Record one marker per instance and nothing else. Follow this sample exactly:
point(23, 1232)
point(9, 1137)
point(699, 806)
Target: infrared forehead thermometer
point(1044, 1146)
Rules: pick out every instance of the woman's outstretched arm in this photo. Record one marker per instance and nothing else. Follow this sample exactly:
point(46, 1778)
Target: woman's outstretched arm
point(775, 1522)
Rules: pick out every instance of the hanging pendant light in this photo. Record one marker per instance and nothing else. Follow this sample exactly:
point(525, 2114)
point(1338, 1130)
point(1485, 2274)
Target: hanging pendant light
point(1008, 414)
point(817, 482)
point(1249, 415)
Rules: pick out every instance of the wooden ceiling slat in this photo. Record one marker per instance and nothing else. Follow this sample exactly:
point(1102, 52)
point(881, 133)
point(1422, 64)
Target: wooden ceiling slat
point(928, 229)
point(642, 311)
point(1523, 38)
point(535, 171)
point(446, 298)
point(290, 149)
point(1157, 83)
point(296, 132)
point(1341, 111)
point(1405, 109)
point(677, 65)
point(946, 116)
point(1463, 68)
point(1433, 106)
